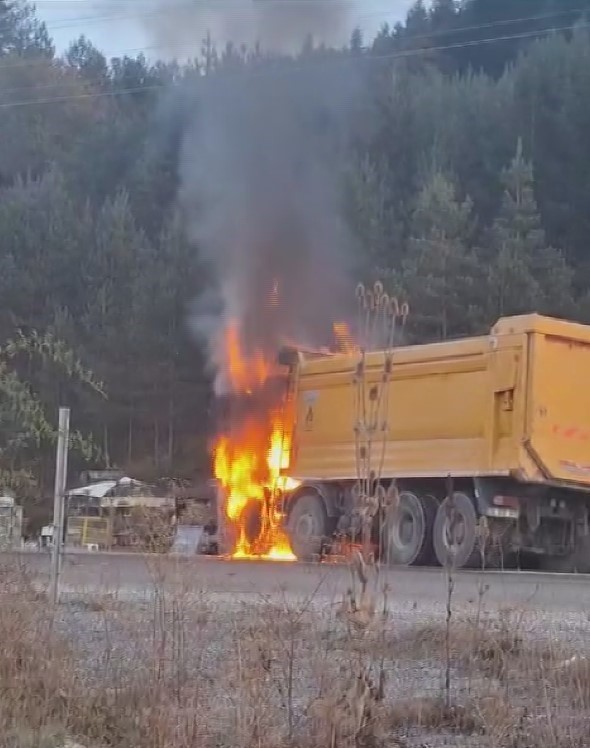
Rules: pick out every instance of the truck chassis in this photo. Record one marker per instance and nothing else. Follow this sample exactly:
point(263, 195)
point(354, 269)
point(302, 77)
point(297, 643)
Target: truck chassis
point(493, 522)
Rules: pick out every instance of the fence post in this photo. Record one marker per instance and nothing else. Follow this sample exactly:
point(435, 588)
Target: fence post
point(61, 469)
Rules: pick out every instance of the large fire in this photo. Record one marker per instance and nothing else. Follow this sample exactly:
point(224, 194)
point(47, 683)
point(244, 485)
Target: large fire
point(250, 462)
point(245, 373)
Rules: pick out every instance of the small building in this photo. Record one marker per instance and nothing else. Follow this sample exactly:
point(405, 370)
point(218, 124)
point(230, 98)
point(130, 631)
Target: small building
point(123, 512)
point(11, 523)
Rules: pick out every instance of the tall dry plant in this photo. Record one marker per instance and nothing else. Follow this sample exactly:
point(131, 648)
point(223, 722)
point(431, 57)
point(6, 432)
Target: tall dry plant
point(347, 713)
point(379, 319)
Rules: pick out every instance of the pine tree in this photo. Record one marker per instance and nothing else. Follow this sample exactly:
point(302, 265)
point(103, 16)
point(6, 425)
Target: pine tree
point(525, 274)
point(21, 32)
point(443, 14)
point(88, 61)
point(440, 272)
point(356, 41)
point(417, 21)
point(169, 378)
point(109, 323)
point(372, 217)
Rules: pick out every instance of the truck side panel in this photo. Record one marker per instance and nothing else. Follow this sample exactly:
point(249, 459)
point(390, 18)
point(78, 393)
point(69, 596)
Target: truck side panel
point(454, 407)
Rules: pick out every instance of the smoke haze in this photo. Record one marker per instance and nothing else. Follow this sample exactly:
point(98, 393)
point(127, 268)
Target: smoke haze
point(277, 25)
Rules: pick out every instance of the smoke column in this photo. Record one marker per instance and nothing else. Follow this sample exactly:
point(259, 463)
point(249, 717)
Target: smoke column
point(260, 189)
point(278, 25)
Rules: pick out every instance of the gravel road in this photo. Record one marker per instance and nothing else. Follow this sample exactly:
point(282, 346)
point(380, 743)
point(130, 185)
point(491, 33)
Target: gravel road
point(134, 575)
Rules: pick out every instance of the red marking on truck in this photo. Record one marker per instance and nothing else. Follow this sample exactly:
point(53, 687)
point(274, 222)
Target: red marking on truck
point(574, 467)
point(570, 432)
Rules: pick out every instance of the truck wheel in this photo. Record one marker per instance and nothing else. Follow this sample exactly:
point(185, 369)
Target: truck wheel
point(307, 526)
point(407, 534)
point(456, 545)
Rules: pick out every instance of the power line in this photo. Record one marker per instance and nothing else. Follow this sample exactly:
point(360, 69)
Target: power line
point(180, 6)
point(500, 22)
point(75, 21)
point(90, 95)
point(293, 69)
point(433, 34)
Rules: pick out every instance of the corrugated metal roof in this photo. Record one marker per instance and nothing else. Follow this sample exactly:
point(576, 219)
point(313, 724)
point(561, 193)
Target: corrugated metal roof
point(101, 489)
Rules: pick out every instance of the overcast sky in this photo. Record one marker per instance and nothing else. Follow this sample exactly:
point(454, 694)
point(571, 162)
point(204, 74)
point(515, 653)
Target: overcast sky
point(130, 26)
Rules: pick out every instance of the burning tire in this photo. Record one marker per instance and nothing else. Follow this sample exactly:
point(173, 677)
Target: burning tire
point(454, 535)
point(307, 527)
point(407, 533)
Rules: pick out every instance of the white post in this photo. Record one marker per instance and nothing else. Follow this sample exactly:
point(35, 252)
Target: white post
point(61, 469)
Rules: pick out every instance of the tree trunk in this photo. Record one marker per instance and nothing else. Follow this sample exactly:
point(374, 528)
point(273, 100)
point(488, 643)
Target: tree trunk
point(156, 443)
point(130, 439)
point(170, 429)
point(105, 436)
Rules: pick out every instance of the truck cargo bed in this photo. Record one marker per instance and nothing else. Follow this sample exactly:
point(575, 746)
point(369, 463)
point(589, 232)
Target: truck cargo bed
point(513, 403)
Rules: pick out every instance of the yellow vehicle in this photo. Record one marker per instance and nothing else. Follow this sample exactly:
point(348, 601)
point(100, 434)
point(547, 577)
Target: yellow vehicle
point(507, 415)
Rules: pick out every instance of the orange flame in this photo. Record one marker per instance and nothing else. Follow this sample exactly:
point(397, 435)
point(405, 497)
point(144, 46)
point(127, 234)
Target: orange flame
point(344, 338)
point(249, 467)
point(250, 463)
point(245, 373)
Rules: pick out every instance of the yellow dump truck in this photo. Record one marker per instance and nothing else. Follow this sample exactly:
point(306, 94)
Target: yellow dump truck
point(507, 415)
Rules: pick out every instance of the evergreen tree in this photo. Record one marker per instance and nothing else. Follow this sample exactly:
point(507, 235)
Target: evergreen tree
point(88, 61)
point(551, 108)
point(440, 273)
point(21, 33)
point(170, 393)
point(373, 217)
point(417, 21)
point(42, 244)
point(356, 41)
point(443, 14)
point(108, 324)
point(525, 274)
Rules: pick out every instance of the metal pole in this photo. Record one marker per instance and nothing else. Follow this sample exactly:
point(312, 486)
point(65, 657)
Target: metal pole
point(61, 469)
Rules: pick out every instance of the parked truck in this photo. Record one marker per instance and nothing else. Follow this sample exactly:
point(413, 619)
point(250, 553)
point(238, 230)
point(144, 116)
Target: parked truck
point(507, 415)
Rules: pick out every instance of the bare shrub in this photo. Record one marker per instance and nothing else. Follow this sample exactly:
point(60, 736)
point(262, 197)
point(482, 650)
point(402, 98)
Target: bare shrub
point(184, 668)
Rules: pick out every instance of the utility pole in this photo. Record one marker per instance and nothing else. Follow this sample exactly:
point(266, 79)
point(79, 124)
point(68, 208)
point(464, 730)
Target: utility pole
point(61, 470)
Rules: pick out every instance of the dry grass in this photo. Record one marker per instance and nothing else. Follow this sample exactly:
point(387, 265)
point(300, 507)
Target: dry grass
point(184, 671)
point(433, 714)
point(35, 690)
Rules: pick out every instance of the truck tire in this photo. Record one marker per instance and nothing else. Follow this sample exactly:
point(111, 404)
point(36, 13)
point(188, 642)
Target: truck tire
point(464, 551)
point(407, 534)
point(307, 526)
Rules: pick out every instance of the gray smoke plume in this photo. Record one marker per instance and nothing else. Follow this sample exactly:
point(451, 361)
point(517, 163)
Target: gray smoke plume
point(261, 174)
point(278, 25)
point(260, 190)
